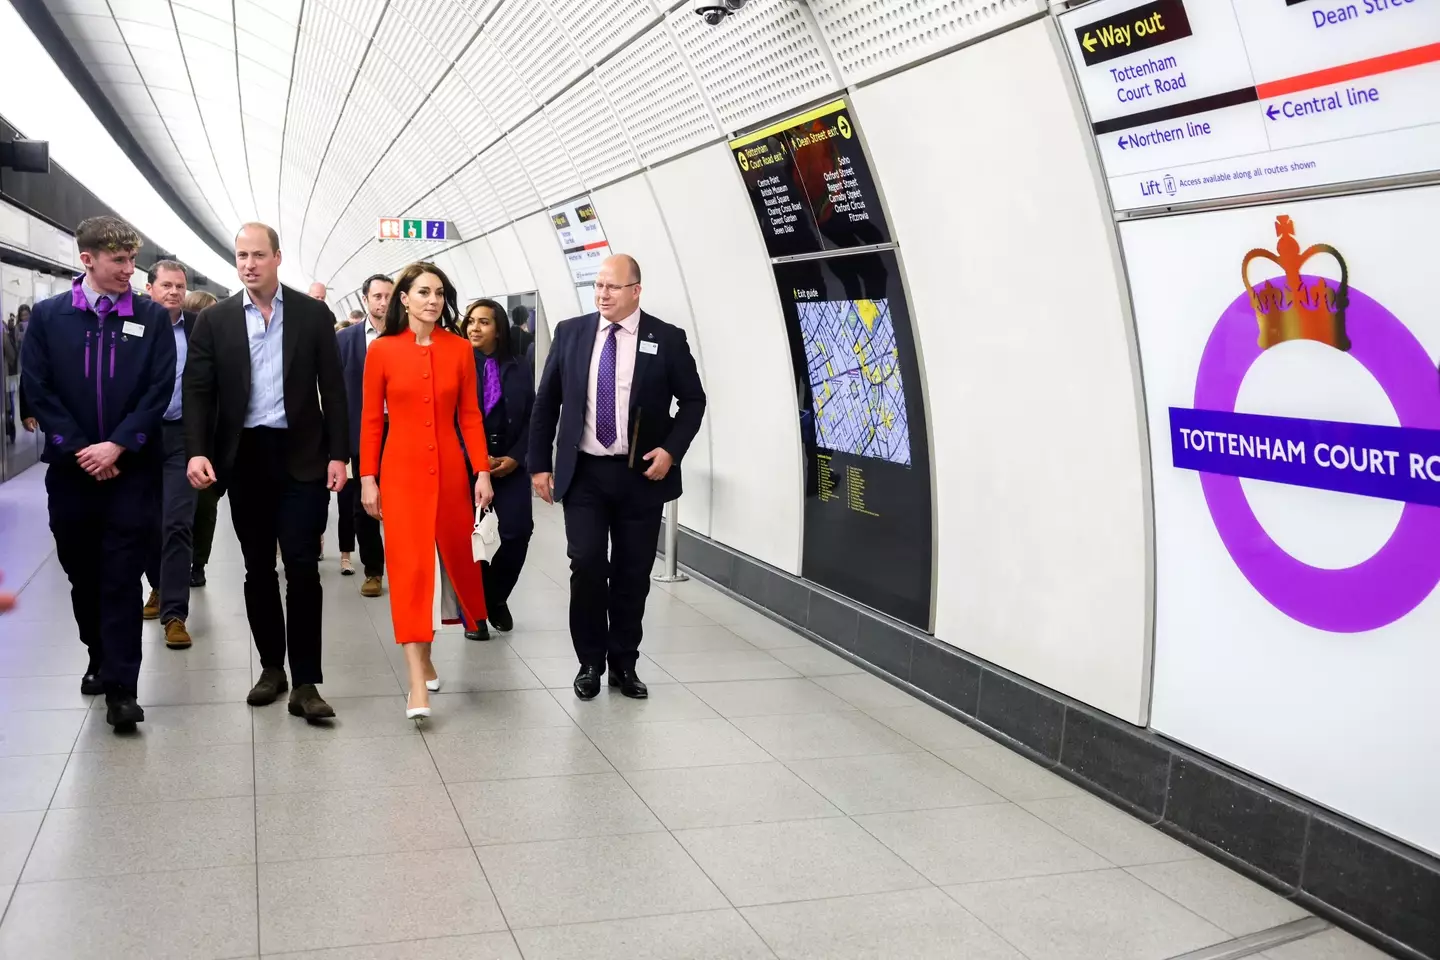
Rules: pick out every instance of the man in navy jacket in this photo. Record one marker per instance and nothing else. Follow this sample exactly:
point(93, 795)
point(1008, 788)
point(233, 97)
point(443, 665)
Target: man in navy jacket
point(98, 368)
point(354, 342)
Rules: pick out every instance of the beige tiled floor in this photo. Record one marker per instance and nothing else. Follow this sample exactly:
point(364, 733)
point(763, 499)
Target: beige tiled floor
point(770, 800)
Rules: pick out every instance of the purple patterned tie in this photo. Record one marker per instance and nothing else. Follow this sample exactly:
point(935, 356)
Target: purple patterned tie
point(605, 392)
point(103, 306)
point(492, 385)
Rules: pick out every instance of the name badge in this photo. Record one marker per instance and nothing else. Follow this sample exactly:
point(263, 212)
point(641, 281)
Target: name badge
point(133, 329)
point(649, 346)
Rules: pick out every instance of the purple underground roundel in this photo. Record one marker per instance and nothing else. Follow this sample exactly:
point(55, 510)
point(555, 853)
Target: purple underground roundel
point(1403, 572)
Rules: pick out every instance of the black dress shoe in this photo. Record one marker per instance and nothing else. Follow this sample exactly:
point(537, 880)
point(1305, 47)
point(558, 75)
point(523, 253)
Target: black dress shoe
point(306, 702)
point(122, 712)
point(90, 684)
point(268, 688)
point(629, 683)
point(197, 576)
point(500, 618)
point(587, 683)
point(481, 632)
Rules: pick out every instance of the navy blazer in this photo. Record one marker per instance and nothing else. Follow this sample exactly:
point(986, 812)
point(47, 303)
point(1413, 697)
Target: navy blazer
point(667, 375)
point(88, 382)
point(517, 389)
point(351, 343)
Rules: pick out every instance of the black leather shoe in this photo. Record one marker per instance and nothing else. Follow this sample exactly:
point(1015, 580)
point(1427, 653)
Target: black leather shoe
point(629, 683)
point(500, 618)
point(587, 683)
point(90, 684)
point(306, 702)
point(268, 688)
point(481, 632)
point(122, 712)
point(197, 576)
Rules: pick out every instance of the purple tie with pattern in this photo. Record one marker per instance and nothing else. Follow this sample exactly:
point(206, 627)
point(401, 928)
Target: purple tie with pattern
point(605, 392)
point(103, 306)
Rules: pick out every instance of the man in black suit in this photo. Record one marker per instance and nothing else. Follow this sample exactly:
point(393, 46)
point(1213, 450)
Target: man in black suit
point(168, 566)
point(521, 336)
point(265, 419)
point(609, 381)
point(355, 342)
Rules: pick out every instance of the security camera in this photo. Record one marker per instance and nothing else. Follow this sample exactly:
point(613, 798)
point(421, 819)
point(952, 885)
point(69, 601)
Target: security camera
point(714, 11)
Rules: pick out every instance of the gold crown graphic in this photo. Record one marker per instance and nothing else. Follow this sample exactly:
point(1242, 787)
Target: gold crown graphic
point(1298, 311)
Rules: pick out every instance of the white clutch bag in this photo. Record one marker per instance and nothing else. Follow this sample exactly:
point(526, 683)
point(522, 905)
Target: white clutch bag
point(485, 538)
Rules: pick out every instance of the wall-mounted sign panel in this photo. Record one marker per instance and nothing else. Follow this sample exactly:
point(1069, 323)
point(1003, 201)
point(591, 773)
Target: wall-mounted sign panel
point(399, 228)
point(1289, 355)
point(1205, 99)
point(867, 498)
point(810, 184)
point(582, 239)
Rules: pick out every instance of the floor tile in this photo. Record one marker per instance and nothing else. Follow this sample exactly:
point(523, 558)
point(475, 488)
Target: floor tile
point(345, 823)
point(914, 924)
point(454, 648)
point(28, 783)
point(307, 765)
point(796, 860)
point(601, 878)
point(559, 672)
point(727, 795)
point(17, 834)
point(364, 680)
point(50, 656)
point(356, 718)
point(703, 639)
point(1329, 945)
point(542, 643)
point(720, 665)
point(966, 844)
point(507, 754)
point(194, 686)
point(675, 743)
point(42, 693)
point(930, 728)
point(892, 782)
point(193, 725)
point(813, 736)
point(153, 776)
point(494, 710)
point(1220, 895)
point(550, 808)
point(344, 901)
point(758, 698)
point(1108, 915)
point(866, 692)
point(815, 661)
point(1009, 774)
point(712, 935)
point(30, 733)
point(669, 701)
point(752, 626)
point(143, 838)
point(480, 946)
point(675, 613)
point(1109, 831)
point(177, 915)
point(207, 653)
point(464, 677)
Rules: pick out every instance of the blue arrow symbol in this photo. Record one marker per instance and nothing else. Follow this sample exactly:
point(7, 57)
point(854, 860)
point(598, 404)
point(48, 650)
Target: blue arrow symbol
point(1122, 144)
point(1272, 112)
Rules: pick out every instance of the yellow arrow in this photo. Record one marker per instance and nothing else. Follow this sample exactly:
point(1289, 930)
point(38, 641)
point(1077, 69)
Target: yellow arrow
point(1088, 43)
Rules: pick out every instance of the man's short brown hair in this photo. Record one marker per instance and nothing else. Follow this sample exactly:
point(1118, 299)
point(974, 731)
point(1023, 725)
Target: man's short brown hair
point(269, 232)
point(173, 265)
point(110, 234)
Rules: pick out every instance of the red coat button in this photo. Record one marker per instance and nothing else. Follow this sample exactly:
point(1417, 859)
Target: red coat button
point(425, 376)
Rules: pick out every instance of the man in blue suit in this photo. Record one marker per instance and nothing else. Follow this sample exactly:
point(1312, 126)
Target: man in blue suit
point(98, 367)
point(609, 382)
point(354, 343)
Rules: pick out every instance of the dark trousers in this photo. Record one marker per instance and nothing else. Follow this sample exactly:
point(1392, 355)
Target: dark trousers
point(347, 498)
point(207, 503)
point(609, 504)
point(171, 552)
point(516, 513)
point(366, 530)
point(103, 531)
point(267, 505)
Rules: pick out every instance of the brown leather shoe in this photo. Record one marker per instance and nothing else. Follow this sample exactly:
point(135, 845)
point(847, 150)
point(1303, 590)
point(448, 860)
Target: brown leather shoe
point(151, 610)
point(305, 701)
point(268, 688)
point(176, 636)
point(370, 588)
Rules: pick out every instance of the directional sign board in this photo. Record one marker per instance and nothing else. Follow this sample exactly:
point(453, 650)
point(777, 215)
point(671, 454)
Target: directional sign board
point(582, 239)
point(397, 228)
point(1204, 99)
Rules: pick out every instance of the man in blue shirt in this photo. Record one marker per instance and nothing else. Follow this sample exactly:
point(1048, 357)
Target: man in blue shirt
point(168, 565)
point(98, 369)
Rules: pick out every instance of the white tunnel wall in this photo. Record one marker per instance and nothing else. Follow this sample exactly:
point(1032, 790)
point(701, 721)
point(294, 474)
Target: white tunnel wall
point(547, 264)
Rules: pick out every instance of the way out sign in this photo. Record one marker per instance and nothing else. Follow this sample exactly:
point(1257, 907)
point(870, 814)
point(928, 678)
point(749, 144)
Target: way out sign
point(398, 228)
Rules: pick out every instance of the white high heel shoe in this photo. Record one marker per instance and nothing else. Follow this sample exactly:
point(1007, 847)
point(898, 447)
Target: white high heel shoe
point(433, 685)
point(415, 713)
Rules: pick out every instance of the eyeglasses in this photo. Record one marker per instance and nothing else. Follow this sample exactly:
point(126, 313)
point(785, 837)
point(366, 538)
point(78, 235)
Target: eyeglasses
point(614, 287)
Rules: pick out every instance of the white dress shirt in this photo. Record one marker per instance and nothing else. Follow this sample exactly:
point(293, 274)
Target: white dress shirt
point(267, 362)
point(627, 342)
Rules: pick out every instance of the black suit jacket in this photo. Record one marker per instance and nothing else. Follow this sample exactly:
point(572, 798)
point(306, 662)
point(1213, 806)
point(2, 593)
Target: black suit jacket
point(353, 346)
point(517, 389)
point(216, 387)
point(660, 377)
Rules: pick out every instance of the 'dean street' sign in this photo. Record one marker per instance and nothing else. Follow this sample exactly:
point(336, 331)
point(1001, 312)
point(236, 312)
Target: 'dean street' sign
point(397, 228)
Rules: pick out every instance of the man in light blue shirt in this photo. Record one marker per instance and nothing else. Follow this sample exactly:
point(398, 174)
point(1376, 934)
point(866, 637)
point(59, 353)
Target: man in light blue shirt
point(168, 565)
point(267, 361)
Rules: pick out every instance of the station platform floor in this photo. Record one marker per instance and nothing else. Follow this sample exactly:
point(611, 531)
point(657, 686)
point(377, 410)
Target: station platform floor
point(770, 800)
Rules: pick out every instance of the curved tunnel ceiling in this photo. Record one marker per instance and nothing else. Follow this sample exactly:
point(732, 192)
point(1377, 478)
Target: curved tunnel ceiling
point(320, 116)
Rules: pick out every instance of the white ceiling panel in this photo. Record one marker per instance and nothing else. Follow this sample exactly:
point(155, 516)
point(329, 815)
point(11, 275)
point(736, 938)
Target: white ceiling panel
point(658, 100)
point(591, 134)
point(508, 178)
point(527, 34)
point(599, 27)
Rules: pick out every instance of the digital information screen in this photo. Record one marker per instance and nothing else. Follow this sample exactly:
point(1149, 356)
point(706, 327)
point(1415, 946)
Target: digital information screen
point(867, 490)
point(581, 238)
point(1207, 99)
point(810, 184)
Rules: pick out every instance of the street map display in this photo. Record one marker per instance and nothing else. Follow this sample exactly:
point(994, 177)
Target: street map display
point(855, 380)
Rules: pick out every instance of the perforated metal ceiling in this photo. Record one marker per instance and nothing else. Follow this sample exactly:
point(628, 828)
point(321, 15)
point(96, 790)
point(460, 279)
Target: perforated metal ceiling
point(321, 116)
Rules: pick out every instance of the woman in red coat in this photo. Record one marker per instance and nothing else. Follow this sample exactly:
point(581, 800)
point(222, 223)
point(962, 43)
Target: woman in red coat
point(420, 375)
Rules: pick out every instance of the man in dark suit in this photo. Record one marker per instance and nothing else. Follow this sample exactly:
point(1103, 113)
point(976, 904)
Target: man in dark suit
point(608, 384)
point(521, 336)
point(355, 342)
point(168, 566)
point(98, 364)
point(265, 420)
